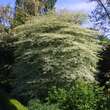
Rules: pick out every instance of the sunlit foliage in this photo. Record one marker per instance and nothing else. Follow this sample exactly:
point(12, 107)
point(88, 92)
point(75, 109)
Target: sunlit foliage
point(52, 51)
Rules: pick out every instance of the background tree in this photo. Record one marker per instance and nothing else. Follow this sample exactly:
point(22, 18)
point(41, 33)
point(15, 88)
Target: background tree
point(35, 6)
point(100, 16)
point(6, 15)
point(50, 4)
point(25, 9)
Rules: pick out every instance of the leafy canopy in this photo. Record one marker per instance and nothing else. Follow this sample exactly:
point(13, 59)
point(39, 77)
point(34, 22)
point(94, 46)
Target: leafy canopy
point(52, 51)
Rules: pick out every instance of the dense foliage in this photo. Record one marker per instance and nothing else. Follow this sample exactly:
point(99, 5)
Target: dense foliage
point(52, 51)
point(104, 73)
point(34, 6)
point(50, 62)
point(77, 96)
point(6, 60)
point(25, 9)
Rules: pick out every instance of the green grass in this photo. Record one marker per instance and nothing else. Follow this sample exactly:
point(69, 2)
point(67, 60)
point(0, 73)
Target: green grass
point(17, 104)
point(10, 104)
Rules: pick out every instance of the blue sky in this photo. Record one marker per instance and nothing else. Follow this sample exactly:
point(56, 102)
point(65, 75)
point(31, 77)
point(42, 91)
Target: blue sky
point(75, 5)
point(80, 5)
point(5, 2)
